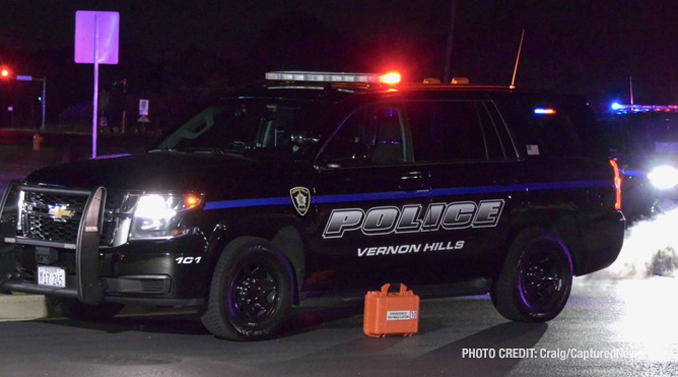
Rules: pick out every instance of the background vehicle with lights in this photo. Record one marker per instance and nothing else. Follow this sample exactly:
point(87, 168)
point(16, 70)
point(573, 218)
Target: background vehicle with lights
point(326, 184)
point(644, 140)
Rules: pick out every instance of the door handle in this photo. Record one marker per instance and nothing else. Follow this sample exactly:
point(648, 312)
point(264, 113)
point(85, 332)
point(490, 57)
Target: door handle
point(412, 182)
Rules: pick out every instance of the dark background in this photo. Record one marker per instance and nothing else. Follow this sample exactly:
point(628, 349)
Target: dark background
point(180, 54)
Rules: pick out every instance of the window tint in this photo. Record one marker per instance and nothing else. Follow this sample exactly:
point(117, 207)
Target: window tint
point(373, 135)
point(252, 125)
point(451, 131)
point(559, 127)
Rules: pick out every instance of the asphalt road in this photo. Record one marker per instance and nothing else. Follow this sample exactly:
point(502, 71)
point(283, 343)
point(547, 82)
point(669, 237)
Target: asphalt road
point(609, 328)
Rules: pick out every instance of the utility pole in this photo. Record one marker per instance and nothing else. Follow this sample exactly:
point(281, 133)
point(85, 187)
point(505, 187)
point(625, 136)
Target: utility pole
point(450, 36)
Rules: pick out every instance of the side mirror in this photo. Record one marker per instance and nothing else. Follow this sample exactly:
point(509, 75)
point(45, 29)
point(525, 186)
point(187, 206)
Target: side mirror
point(343, 154)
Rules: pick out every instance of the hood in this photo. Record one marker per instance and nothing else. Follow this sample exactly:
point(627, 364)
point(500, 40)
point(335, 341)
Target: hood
point(156, 171)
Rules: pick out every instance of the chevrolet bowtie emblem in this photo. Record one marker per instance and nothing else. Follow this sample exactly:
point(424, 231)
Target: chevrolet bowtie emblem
point(59, 212)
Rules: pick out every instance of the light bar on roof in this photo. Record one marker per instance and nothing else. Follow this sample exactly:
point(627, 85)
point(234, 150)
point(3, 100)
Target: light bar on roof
point(642, 108)
point(542, 111)
point(331, 77)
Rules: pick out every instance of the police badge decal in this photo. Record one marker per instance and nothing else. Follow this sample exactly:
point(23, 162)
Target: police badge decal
point(301, 198)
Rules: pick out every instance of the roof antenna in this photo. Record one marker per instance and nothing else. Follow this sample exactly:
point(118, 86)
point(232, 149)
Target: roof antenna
point(631, 88)
point(515, 69)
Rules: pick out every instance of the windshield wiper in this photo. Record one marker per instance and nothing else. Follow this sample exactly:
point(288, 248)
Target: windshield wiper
point(162, 150)
point(209, 150)
point(236, 150)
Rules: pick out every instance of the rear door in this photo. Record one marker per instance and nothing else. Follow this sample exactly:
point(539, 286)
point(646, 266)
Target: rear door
point(475, 178)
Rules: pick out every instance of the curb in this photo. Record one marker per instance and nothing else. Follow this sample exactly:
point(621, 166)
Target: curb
point(28, 307)
point(22, 307)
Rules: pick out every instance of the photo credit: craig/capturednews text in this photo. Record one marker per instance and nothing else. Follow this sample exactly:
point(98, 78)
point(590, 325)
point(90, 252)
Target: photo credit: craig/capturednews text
point(545, 353)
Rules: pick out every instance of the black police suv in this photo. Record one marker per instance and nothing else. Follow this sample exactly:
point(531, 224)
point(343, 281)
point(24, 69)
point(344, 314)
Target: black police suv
point(323, 184)
point(644, 141)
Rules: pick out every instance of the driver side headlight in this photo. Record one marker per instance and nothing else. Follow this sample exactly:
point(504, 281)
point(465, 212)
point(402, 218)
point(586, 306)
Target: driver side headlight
point(159, 216)
point(664, 177)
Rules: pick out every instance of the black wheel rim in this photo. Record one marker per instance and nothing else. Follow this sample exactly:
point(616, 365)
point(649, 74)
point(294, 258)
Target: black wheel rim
point(254, 291)
point(544, 280)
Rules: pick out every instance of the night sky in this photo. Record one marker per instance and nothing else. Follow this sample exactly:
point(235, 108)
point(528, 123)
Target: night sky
point(588, 47)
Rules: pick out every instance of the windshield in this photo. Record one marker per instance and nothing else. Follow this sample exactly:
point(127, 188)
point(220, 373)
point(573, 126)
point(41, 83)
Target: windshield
point(246, 125)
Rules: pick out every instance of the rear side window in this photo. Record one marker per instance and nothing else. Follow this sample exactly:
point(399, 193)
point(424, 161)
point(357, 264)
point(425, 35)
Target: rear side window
point(453, 131)
point(553, 127)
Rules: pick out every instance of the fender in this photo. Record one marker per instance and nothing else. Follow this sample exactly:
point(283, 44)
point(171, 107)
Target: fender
point(281, 229)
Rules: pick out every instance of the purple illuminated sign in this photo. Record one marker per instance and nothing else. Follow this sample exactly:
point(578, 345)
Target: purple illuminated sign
point(100, 29)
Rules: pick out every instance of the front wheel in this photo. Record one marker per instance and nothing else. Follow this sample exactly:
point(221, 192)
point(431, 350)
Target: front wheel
point(250, 294)
point(535, 282)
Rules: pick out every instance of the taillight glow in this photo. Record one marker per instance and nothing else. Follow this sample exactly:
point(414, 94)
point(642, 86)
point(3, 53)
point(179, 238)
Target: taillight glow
point(617, 185)
point(390, 78)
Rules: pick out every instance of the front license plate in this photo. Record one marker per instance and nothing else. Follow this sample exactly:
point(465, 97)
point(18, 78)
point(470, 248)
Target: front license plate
point(52, 276)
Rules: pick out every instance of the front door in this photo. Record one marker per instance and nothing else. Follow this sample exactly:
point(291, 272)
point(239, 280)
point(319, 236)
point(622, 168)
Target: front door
point(370, 198)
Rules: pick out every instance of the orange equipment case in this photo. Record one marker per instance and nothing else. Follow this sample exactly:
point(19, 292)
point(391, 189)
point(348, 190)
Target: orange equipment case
point(395, 313)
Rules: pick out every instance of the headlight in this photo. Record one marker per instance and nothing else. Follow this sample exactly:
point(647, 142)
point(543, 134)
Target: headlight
point(664, 177)
point(159, 216)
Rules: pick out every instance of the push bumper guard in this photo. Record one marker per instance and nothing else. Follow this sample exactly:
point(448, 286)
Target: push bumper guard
point(89, 284)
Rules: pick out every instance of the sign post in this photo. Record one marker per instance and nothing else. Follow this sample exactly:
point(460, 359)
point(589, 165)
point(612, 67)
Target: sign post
point(96, 42)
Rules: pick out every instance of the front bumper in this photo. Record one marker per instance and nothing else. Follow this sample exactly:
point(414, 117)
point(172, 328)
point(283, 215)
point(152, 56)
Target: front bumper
point(642, 199)
point(141, 272)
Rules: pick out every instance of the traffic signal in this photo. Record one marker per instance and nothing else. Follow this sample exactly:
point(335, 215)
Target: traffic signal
point(4, 73)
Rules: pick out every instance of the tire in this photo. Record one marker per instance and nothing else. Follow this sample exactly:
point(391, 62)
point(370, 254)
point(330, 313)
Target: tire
point(251, 293)
point(535, 282)
point(77, 310)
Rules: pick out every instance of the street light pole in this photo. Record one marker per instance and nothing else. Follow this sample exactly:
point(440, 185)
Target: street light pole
point(44, 84)
point(44, 99)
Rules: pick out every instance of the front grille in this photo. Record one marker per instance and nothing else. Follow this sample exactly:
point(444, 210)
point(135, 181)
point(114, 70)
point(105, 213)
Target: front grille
point(49, 216)
point(37, 222)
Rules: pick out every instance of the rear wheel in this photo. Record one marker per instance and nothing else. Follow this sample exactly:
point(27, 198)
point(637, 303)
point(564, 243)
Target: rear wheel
point(250, 294)
point(535, 282)
point(75, 309)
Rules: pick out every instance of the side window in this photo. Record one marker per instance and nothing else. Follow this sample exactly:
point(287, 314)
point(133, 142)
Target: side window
point(551, 127)
point(372, 136)
point(557, 132)
point(452, 131)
